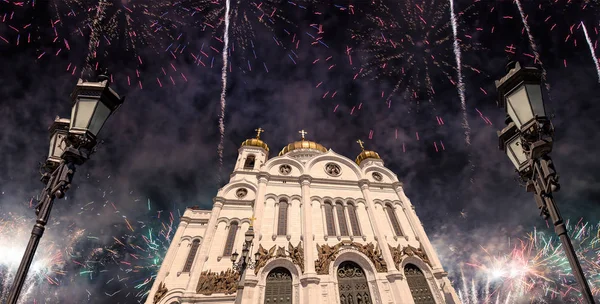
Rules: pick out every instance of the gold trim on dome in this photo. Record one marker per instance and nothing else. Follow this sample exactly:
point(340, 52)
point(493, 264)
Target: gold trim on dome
point(366, 154)
point(303, 144)
point(256, 143)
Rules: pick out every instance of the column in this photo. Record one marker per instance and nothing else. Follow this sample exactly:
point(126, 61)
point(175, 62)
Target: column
point(347, 216)
point(418, 228)
point(206, 244)
point(275, 219)
point(165, 268)
point(336, 224)
point(310, 280)
point(259, 207)
point(308, 242)
point(387, 256)
point(403, 224)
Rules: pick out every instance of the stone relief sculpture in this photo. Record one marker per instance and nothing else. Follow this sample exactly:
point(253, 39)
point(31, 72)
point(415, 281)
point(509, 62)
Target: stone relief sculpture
point(327, 254)
point(296, 254)
point(160, 293)
point(399, 253)
point(263, 257)
point(224, 282)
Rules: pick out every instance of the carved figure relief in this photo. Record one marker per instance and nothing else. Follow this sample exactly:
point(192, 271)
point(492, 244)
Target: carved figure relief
point(296, 254)
point(333, 169)
point(399, 253)
point(241, 192)
point(285, 169)
point(377, 176)
point(326, 254)
point(224, 282)
point(160, 293)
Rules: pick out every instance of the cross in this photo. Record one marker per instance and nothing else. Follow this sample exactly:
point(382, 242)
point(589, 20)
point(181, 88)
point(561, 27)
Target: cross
point(360, 142)
point(302, 132)
point(252, 219)
point(258, 131)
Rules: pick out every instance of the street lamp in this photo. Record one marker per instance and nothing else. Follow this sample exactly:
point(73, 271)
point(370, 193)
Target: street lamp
point(71, 143)
point(527, 140)
point(245, 262)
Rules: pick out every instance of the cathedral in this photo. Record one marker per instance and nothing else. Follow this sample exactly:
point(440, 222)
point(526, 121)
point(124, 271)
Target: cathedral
point(308, 226)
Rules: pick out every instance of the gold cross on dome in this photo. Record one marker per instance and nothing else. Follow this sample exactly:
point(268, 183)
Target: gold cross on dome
point(252, 219)
point(258, 131)
point(303, 133)
point(360, 142)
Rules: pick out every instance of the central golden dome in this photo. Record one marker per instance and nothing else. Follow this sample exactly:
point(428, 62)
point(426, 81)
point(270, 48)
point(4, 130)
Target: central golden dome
point(303, 144)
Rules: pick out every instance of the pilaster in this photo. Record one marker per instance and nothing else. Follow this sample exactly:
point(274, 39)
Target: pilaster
point(206, 244)
point(259, 206)
point(417, 227)
point(309, 248)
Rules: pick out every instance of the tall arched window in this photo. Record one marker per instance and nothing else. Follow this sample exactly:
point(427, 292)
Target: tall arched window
point(329, 219)
point(249, 164)
point(191, 255)
point(417, 283)
point(233, 227)
point(341, 218)
point(353, 219)
point(278, 289)
point(393, 219)
point(282, 218)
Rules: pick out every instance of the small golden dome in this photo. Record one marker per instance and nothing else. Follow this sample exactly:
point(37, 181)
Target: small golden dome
point(366, 154)
point(303, 144)
point(256, 142)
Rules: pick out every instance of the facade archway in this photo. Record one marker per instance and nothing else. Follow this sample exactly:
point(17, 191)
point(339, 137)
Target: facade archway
point(352, 284)
point(419, 288)
point(278, 288)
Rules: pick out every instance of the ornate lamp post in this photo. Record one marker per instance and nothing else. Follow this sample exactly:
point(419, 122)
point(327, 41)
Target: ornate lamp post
point(245, 262)
point(527, 140)
point(71, 143)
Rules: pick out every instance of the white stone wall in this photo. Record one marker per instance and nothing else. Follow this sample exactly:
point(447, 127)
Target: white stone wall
point(355, 184)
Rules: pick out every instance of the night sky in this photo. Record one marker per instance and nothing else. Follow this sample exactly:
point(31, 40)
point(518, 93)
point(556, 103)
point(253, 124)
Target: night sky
point(376, 70)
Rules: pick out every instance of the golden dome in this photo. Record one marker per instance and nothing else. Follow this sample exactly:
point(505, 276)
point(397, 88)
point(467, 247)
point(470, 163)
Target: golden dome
point(255, 142)
point(366, 154)
point(303, 144)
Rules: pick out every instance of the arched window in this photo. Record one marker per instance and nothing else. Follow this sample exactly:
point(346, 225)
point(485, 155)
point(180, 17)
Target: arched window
point(352, 284)
point(329, 219)
point(191, 255)
point(278, 289)
point(282, 218)
point(353, 219)
point(417, 283)
point(393, 219)
point(233, 227)
point(249, 164)
point(341, 218)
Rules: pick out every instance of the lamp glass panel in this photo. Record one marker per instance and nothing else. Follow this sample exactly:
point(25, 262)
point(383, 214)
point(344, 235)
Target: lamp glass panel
point(520, 104)
point(515, 152)
point(82, 112)
point(100, 116)
point(534, 92)
point(51, 148)
point(59, 144)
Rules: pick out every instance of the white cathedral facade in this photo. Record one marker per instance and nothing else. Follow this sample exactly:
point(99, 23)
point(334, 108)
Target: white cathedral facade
point(316, 227)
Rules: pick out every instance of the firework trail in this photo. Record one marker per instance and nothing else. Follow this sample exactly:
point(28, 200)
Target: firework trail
point(593, 53)
point(94, 35)
point(223, 88)
point(460, 85)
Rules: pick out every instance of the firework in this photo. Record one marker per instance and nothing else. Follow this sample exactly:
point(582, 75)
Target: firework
point(533, 270)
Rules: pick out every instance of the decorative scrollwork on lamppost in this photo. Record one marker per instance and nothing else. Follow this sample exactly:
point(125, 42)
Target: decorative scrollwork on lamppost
point(71, 143)
point(245, 262)
point(527, 140)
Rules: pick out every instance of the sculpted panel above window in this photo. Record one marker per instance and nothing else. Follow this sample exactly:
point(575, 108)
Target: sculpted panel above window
point(333, 169)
